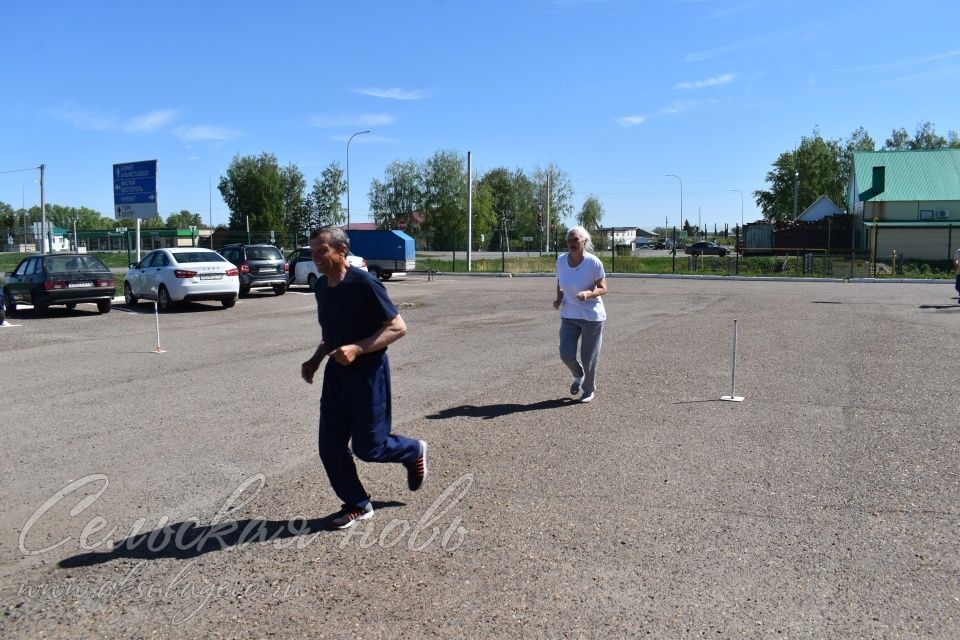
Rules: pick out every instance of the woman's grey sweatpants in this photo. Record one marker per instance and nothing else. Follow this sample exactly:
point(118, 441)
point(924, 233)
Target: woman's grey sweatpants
point(590, 335)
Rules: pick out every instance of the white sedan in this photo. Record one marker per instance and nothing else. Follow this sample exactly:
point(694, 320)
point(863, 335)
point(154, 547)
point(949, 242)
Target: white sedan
point(182, 273)
point(304, 270)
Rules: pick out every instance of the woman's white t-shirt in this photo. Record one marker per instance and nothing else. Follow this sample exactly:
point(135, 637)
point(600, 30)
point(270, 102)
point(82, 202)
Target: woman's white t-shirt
point(573, 280)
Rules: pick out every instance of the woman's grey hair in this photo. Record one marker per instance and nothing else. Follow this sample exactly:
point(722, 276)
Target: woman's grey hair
point(338, 237)
point(582, 234)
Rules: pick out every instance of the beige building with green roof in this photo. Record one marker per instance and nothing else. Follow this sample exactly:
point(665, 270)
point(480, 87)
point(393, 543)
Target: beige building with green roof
point(911, 205)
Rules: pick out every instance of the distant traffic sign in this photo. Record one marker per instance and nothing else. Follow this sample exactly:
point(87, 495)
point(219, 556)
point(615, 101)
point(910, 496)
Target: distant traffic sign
point(135, 189)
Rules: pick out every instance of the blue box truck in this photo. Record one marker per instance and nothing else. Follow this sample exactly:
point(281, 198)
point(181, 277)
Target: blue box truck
point(387, 253)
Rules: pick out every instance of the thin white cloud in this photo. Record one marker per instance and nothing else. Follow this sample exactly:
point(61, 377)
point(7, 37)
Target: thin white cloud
point(150, 121)
point(716, 81)
point(764, 40)
point(93, 120)
point(87, 120)
point(357, 120)
point(900, 64)
point(631, 121)
point(201, 133)
point(393, 94)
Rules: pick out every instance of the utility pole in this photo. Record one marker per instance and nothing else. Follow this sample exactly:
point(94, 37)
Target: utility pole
point(43, 214)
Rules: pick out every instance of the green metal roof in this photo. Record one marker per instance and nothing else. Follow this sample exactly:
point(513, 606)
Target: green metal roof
point(932, 174)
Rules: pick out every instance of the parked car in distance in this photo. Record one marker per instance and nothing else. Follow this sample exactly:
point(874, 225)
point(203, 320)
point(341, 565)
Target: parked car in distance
point(260, 266)
point(304, 270)
point(663, 243)
point(706, 248)
point(173, 275)
point(65, 279)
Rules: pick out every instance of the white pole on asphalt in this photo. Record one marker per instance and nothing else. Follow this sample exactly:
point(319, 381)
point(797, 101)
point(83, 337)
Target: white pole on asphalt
point(733, 397)
point(156, 313)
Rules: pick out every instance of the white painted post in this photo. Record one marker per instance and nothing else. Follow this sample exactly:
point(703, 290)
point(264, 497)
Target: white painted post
point(733, 397)
point(156, 313)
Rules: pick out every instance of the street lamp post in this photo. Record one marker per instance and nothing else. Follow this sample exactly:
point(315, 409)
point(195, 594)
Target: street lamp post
point(670, 175)
point(23, 206)
point(796, 183)
point(349, 140)
point(741, 207)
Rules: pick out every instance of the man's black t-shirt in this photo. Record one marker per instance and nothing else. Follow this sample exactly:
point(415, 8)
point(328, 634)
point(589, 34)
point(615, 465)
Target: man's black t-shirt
point(353, 310)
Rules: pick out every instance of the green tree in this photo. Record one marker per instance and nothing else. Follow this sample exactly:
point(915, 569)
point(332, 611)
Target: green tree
point(325, 202)
point(925, 137)
point(513, 202)
point(253, 190)
point(295, 209)
point(63, 216)
point(185, 220)
point(560, 195)
point(445, 200)
point(484, 226)
point(591, 214)
point(399, 197)
point(813, 169)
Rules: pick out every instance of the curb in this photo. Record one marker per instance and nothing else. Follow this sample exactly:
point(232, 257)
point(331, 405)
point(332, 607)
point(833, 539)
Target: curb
point(687, 276)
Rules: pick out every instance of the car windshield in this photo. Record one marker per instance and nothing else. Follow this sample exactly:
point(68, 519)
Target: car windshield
point(56, 264)
point(198, 256)
point(264, 253)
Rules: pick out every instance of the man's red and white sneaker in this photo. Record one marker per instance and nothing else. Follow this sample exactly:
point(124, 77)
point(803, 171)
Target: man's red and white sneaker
point(351, 514)
point(417, 470)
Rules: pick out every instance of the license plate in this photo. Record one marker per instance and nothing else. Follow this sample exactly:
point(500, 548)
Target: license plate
point(267, 270)
point(75, 285)
point(211, 276)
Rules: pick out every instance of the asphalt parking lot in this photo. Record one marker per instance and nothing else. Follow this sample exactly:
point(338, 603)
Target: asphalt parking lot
point(824, 505)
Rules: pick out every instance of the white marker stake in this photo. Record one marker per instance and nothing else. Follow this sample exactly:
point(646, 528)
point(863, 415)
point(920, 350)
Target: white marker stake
point(733, 397)
point(156, 313)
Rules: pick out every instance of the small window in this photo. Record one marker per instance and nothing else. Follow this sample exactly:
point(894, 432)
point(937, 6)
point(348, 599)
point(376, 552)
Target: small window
point(926, 214)
point(22, 269)
point(161, 260)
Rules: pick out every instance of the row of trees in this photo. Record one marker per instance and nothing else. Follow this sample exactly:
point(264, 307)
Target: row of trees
point(823, 167)
point(427, 197)
point(88, 219)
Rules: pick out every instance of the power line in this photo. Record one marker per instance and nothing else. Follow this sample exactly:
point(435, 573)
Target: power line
point(20, 170)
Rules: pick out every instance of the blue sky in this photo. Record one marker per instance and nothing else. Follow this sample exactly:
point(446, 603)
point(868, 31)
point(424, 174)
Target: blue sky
point(618, 93)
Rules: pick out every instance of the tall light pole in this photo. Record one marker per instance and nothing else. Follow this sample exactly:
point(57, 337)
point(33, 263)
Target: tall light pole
point(350, 139)
point(670, 175)
point(796, 182)
point(741, 207)
point(23, 207)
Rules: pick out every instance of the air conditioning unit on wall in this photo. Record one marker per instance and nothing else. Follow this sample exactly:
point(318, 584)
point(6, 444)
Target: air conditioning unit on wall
point(943, 213)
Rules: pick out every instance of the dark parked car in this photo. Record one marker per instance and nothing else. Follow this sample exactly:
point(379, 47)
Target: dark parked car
point(60, 279)
point(260, 265)
point(706, 249)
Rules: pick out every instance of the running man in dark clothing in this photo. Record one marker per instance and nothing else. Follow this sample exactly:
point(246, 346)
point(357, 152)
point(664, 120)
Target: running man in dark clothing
point(357, 322)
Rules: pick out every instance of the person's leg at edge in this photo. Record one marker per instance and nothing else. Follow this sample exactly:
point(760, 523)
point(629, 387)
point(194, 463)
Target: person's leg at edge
point(371, 419)
point(590, 353)
point(957, 287)
point(334, 436)
point(569, 337)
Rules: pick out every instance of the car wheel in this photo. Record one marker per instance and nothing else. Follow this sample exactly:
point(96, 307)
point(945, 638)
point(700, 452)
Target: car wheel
point(128, 296)
point(9, 301)
point(104, 306)
point(376, 272)
point(164, 303)
point(385, 275)
point(723, 253)
point(280, 289)
point(244, 290)
point(228, 302)
point(38, 308)
point(71, 305)
point(311, 281)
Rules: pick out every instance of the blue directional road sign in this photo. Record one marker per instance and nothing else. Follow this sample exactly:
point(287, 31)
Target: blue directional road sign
point(135, 189)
